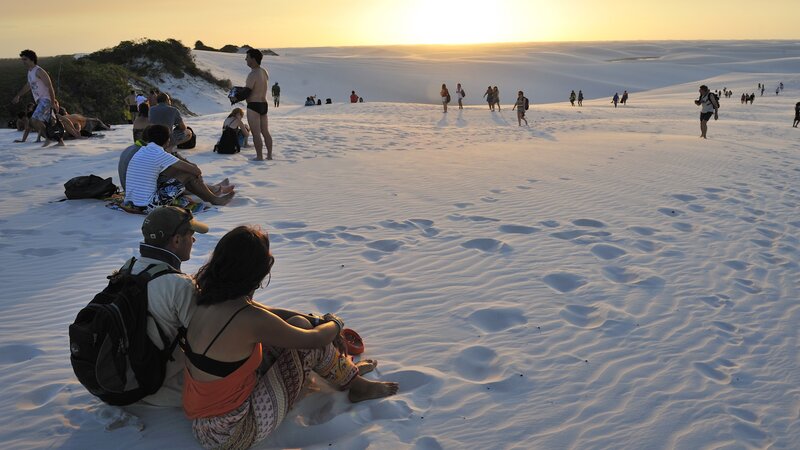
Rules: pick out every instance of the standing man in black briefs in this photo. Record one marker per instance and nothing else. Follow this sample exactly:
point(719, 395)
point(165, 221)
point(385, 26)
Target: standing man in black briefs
point(257, 106)
point(710, 105)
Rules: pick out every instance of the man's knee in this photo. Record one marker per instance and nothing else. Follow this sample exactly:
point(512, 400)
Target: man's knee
point(300, 322)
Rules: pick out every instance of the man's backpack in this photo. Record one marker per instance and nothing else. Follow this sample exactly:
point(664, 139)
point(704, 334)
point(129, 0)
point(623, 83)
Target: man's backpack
point(229, 142)
point(463, 93)
point(526, 103)
point(712, 97)
point(110, 352)
point(191, 143)
point(89, 186)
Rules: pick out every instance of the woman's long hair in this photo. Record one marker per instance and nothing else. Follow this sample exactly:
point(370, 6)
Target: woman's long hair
point(236, 112)
point(239, 264)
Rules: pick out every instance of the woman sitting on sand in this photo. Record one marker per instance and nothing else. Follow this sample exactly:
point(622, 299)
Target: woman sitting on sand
point(234, 122)
point(255, 360)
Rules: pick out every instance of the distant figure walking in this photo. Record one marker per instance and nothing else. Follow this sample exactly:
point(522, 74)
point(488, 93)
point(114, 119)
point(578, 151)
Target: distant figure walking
point(744, 98)
point(257, 106)
point(615, 100)
point(44, 95)
point(461, 94)
point(710, 106)
point(572, 98)
point(353, 97)
point(762, 90)
point(624, 99)
point(781, 86)
point(521, 105)
point(445, 96)
point(489, 94)
point(276, 94)
point(496, 97)
point(796, 114)
point(777, 90)
point(580, 98)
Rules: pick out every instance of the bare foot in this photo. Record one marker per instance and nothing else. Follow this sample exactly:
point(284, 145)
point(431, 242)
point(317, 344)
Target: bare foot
point(223, 200)
point(362, 389)
point(366, 366)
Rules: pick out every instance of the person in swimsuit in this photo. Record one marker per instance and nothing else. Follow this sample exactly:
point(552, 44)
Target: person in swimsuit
point(445, 96)
point(489, 94)
point(520, 107)
point(255, 359)
point(276, 95)
point(496, 97)
point(257, 106)
point(460, 93)
point(709, 108)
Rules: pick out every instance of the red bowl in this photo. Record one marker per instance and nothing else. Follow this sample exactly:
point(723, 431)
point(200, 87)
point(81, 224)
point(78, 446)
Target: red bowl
point(355, 346)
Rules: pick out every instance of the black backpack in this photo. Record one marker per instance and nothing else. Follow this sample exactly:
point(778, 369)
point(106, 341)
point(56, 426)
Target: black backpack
point(110, 352)
point(229, 142)
point(89, 186)
point(53, 128)
point(191, 143)
point(714, 99)
point(527, 103)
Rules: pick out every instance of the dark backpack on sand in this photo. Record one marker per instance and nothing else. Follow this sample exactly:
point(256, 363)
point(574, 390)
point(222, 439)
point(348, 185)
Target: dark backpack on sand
point(191, 143)
point(110, 352)
point(89, 186)
point(229, 142)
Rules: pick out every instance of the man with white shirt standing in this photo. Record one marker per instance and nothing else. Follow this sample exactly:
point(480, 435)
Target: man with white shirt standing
point(44, 95)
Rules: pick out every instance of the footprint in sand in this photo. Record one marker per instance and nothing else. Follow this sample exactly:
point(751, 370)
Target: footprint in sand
point(644, 231)
point(487, 245)
point(39, 396)
point(399, 226)
point(672, 212)
point(517, 229)
point(736, 264)
point(684, 197)
point(716, 370)
point(459, 217)
point(427, 443)
point(497, 319)
point(683, 226)
point(746, 285)
point(555, 224)
point(647, 246)
point(583, 316)
point(564, 281)
point(43, 252)
point(463, 205)
point(282, 225)
point(476, 363)
point(591, 223)
point(489, 199)
point(607, 252)
point(385, 245)
point(16, 353)
point(350, 237)
point(377, 281)
point(328, 304)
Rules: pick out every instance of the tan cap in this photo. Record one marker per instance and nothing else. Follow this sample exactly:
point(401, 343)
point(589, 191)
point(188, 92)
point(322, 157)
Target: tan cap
point(163, 222)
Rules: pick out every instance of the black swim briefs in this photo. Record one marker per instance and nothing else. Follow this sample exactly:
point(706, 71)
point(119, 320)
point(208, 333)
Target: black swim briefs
point(704, 117)
point(259, 107)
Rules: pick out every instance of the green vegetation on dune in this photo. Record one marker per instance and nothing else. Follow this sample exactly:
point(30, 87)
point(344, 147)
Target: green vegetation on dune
point(97, 84)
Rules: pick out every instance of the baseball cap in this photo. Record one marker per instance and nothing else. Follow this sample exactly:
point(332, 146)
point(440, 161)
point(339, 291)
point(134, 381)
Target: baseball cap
point(163, 222)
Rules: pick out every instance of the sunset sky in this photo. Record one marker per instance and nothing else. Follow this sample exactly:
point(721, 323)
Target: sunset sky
point(57, 27)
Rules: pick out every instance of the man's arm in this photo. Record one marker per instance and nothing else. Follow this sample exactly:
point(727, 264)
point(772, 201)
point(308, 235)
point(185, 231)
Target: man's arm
point(187, 167)
point(25, 89)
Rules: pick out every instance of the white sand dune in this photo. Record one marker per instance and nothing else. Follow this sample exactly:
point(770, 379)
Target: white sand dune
point(602, 279)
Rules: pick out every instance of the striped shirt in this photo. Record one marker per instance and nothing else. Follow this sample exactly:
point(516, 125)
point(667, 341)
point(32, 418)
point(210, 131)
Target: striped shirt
point(142, 174)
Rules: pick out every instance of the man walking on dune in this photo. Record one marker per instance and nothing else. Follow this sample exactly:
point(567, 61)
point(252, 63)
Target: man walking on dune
point(257, 106)
point(44, 95)
point(710, 106)
point(276, 94)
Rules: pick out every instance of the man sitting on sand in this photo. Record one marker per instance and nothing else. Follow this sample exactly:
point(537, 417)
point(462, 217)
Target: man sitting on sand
point(165, 114)
point(168, 233)
point(155, 177)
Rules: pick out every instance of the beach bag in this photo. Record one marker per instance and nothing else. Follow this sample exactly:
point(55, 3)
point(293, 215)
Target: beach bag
point(191, 143)
point(229, 142)
point(526, 103)
point(238, 94)
point(53, 128)
point(89, 186)
point(110, 352)
point(463, 93)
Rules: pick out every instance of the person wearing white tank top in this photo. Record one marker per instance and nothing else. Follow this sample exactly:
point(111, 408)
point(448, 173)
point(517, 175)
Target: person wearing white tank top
point(44, 95)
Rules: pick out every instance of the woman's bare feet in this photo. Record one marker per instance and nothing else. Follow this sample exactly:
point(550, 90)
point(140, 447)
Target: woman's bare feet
point(362, 389)
point(366, 366)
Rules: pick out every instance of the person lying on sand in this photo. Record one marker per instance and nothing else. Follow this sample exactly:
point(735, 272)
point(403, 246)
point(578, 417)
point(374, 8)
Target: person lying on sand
point(246, 363)
point(155, 177)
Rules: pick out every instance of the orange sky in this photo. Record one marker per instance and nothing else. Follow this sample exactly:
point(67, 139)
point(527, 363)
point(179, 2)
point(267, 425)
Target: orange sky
point(51, 27)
